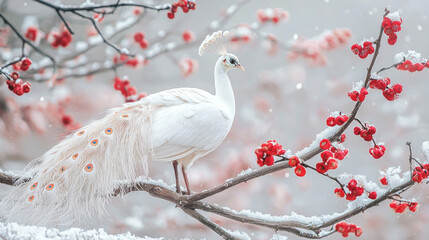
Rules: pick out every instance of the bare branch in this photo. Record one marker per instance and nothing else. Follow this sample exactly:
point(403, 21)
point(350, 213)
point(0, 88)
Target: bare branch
point(95, 7)
point(25, 41)
point(218, 229)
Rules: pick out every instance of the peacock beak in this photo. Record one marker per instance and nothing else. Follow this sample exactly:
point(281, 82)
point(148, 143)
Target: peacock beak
point(240, 67)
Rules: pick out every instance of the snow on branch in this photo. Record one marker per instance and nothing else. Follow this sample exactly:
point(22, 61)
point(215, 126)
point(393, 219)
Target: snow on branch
point(14, 231)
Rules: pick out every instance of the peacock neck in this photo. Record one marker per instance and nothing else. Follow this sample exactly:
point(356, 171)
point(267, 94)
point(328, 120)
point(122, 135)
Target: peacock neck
point(224, 92)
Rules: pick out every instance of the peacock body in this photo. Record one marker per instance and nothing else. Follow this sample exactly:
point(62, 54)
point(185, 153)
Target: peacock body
point(77, 176)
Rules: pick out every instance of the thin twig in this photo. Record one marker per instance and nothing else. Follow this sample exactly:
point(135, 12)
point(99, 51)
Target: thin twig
point(19, 35)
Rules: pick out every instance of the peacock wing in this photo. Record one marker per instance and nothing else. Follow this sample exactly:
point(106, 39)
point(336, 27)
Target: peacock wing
point(194, 124)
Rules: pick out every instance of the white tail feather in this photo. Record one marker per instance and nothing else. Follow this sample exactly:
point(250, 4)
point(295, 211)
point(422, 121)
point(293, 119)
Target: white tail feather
point(76, 177)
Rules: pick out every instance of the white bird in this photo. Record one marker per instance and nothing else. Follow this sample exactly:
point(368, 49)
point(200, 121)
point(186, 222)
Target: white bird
point(78, 175)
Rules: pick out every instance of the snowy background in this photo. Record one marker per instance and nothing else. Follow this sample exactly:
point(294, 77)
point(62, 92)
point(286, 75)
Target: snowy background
point(276, 99)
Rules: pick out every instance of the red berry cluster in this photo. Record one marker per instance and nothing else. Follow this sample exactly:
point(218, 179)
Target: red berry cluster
point(17, 86)
point(266, 151)
point(129, 92)
point(366, 132)
point(355, 95)
point(14, 83)
point(188, 36)
point(377, 151)
point(24, 65)
point(274, 15)
point(363, 50)
point(139, 37)
point(186, 5)
point(390, 93)
point(314, 49)
point(354, 191)
point(400, 207)
point(391, 27)
point(345, 228)
point(299, 169)
point(339, 120)
point(420, 173)
point(62, 39)
point(242, 33)
point(329, 159)
point(31, 33)
point(409, 66)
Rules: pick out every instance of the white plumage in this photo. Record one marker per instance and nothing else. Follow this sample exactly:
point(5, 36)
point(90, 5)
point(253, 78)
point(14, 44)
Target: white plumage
point(78, 175)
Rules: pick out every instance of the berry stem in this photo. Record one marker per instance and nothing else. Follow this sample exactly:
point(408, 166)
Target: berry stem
point(391, 66)
point(324, 174)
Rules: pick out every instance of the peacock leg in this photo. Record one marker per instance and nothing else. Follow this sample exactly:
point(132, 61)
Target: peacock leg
point(185, 176)
point(176, 174)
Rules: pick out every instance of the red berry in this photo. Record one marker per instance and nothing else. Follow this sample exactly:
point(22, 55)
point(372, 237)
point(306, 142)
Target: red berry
point(269, 160)
point(321, 167)
point(372, 195)
point(383, 180)
point(413, 206)
point(293, 161)
point(170, 15)
point(401, 208)
point(371, 130)
point(330, 121)
point(325, 155)
point(339, 192)
point(144, 44)
point(26, 87)
point(397, 88)
point(66, 119)
point(358, 231)
point(340, 120)
point(332, 164)
point(188, 36)
point(14, 75)
point(362, 94)
point(325, 144)
point(393, 205)
point(25, 64)
point(342, 138)
point(350, 197)
point(300, 170)
point(138, 37)
point(353, 95)
point(356, 48)
point(31, 33)
point(357, 130)
point(352, 185)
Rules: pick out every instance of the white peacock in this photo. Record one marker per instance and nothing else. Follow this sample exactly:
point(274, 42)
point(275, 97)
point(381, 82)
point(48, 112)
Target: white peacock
point(178, 125)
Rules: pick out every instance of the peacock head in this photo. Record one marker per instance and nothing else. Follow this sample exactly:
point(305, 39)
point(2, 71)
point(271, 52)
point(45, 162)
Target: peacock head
point(216, 42)
point(230, 61)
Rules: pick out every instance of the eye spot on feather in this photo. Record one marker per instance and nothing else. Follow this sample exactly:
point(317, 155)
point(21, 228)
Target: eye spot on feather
point(62, 169)
point(89, 168)
point(94, 142)
point(75, 156)
point(50, 187)
point(34, 185)
point(80, 133)
point(31, 198)
point(125, 116)
point(108, 131)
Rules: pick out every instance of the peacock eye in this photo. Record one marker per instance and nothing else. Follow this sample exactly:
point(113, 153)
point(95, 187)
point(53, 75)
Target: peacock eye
point(232, 61)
